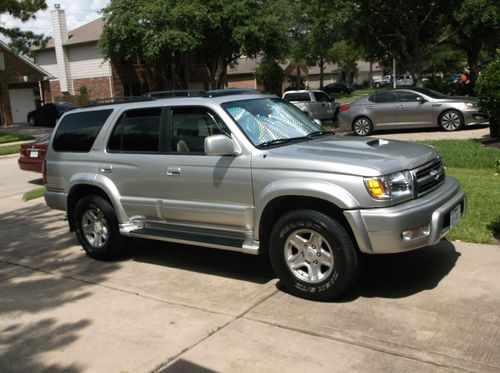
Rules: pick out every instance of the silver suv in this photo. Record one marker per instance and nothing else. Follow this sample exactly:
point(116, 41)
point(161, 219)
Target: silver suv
point(246, 172)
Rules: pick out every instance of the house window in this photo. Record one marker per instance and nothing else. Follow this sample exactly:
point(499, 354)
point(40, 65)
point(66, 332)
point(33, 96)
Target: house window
point(2, 62)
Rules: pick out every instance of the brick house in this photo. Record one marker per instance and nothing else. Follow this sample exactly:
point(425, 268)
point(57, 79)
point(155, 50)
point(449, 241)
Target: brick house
point(23, 86)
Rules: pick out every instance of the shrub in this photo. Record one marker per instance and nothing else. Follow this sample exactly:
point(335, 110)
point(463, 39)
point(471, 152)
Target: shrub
point(488, 89)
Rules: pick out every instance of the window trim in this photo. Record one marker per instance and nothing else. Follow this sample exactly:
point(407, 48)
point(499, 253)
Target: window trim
point(161, 145)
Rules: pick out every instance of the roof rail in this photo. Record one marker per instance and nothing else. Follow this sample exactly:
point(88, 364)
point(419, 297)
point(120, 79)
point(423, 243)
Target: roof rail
point(232, 91)
point(116, 100)
point(175, 93)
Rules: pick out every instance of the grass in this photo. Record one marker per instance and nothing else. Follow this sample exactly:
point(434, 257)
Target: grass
point(8, 137)
point(474, 166)
point(34, 193)
point(9, 149)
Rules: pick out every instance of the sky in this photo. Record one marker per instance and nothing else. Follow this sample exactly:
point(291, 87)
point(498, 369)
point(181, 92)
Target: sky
point(77, 13)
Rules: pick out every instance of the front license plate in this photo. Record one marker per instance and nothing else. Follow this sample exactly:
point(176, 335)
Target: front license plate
point(455, 216)
point(34, 154)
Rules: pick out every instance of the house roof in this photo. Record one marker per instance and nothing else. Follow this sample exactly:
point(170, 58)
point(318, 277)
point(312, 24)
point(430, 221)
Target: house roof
point(86, 33)
point(27, 61)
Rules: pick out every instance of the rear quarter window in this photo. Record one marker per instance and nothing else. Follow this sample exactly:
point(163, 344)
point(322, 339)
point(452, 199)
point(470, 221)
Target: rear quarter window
point(77, 132)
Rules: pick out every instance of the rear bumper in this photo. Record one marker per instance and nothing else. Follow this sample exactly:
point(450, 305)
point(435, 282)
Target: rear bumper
point(379, 230)
point(56, 200)
point(27, 164)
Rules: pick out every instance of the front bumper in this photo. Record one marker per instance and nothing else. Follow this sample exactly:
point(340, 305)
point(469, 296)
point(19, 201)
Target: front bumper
point(379, 230)
point(474, 117)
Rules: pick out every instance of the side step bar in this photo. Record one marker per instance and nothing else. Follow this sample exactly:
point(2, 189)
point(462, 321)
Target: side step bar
point(217, 239)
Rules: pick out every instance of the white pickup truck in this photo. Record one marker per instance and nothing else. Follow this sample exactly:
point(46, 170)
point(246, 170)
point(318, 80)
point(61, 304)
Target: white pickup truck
point(316, 104)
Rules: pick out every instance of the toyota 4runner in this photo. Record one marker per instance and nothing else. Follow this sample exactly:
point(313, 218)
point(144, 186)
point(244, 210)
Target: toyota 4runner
point(248, 172)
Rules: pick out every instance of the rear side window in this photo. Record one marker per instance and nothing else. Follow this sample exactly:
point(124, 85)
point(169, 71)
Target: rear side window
point(137, 131)
point(297, 97)
point(385, 97)
point(77, 132)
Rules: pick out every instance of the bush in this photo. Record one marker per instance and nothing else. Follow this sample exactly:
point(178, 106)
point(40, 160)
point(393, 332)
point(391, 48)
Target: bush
point(488, 89)
point(442, 85)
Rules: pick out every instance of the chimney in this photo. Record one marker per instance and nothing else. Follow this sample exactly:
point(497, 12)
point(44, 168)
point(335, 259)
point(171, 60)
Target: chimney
point(60, 37)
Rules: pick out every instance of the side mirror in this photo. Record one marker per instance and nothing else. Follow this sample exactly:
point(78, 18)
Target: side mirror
point(218, 145)
point(421, 99)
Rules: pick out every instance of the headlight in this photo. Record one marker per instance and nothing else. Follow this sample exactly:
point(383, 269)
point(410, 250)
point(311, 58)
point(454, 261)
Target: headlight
point(470, 105)
point(394, 186)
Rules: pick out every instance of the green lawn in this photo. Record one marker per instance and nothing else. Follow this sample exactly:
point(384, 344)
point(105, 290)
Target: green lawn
point(474, 166)
point(9, 149)
point(7, 137)
point(33, 193)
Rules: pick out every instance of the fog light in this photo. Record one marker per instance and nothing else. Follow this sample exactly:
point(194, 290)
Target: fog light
point(415, 233)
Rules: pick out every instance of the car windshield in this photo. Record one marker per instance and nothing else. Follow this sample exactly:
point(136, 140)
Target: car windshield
point(430, 93)
point(268, 121)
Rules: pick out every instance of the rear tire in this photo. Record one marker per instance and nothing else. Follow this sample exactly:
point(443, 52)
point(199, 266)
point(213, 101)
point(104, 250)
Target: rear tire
point(362, 126)
point(313, 255)
point(97, 228)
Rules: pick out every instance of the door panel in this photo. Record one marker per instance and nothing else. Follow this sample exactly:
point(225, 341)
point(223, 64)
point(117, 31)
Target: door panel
point(383, 110)
point(413, 113)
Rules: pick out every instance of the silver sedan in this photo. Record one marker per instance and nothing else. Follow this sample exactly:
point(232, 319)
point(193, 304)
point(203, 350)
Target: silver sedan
point(409, 108)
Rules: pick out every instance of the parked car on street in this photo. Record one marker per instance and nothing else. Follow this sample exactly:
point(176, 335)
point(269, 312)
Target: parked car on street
point(316, 104)
point(385, 81)
point(32, 154)
point(409, 108)
point(48, 114)
point(338, 87)
point(249, 173)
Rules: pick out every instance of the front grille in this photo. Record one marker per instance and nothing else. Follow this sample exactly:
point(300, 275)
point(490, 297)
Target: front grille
point(429, 177)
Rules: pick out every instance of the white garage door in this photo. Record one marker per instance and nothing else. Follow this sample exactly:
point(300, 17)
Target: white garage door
point(22, 101)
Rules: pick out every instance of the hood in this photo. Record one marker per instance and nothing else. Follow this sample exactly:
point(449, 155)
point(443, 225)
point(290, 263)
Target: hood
point(457, 99)
point(350, 155)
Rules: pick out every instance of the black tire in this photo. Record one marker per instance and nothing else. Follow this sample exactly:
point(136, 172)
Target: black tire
point(362, 126)
point(451, 120)
point(333, 278)
point(107, 242)
point(32, 121)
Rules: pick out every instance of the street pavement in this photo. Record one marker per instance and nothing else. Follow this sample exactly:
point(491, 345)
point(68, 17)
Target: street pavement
point(177, 308)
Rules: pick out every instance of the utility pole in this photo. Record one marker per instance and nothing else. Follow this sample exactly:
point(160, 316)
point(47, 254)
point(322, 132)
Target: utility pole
point(393, 72)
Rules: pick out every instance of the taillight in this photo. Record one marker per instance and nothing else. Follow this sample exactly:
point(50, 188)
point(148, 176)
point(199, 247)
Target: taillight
point(344, 107)
point(44, 172)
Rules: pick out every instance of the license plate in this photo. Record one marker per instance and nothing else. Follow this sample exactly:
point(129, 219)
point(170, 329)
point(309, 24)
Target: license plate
point(455, 216)
point(34, 154)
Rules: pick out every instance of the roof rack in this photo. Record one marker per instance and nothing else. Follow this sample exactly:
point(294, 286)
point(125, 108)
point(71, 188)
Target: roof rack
point(175, 93)
point(116, 100)
point(232, 91)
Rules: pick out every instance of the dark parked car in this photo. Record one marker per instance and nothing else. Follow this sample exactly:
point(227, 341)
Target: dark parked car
point(338, 88)
point(47, 115)
point(32, 154)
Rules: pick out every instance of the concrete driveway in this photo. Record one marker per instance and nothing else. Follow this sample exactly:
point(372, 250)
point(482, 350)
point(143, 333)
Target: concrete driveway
point(174, 308)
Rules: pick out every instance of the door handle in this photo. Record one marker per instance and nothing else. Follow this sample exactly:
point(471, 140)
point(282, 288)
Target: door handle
point(106, 169)
point(174, 171)
point(400, 106)
point(371, 107)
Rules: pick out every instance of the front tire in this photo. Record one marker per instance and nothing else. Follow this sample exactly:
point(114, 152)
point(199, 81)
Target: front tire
point(451, 120)
point(362, 126)
point(313, 255)
point(97, 228)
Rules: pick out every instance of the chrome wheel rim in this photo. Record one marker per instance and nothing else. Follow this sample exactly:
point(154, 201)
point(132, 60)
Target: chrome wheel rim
point(309, 256)
point(95, 227)
point(450, 121)
point(362, 127)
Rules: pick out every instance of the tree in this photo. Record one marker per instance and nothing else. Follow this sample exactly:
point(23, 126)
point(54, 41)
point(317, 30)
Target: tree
point(475, 25)
point(22, 41)
point(164, 34)
point(405, 30)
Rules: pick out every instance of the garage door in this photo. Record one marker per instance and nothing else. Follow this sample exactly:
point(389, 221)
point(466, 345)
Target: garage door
point(22, 101)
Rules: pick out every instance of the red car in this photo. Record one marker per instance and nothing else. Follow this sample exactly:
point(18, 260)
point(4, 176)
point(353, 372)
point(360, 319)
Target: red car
point(32, 154)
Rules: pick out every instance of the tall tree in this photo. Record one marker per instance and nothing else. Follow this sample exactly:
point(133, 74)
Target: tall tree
point(475, 25)
point(164, 32)
point(405, 30)
point(22, 41)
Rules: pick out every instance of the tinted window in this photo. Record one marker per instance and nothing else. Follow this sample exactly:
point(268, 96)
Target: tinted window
point(321, 97)
point(190, 126)
point(77, 132)
point(297, 97)
point(137, 131)
point(407, 97)
point(385, 97)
